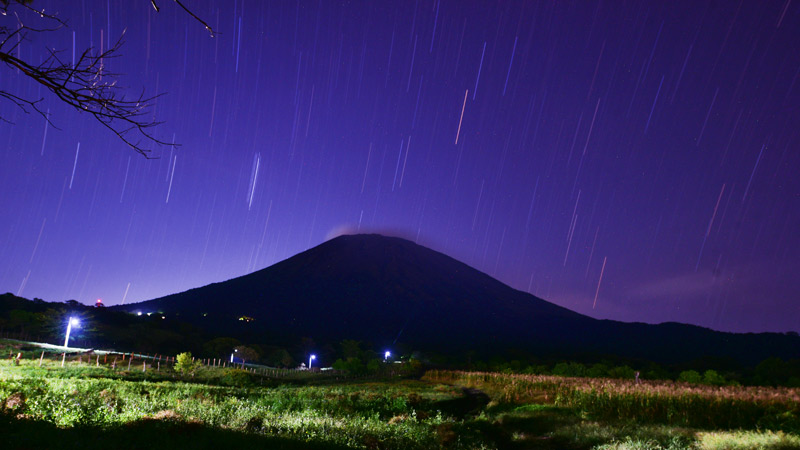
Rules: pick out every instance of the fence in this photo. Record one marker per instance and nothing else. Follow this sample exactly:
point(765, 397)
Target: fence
point(163, 364)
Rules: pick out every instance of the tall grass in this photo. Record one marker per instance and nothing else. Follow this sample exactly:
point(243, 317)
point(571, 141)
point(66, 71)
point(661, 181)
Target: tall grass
point(362, 415)
point(670, 403)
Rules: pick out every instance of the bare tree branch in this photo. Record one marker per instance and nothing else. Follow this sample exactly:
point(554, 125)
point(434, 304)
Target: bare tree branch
point(208, 27)
point(86, 85)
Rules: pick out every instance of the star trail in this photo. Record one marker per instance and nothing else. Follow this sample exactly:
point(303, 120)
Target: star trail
point(629, 160)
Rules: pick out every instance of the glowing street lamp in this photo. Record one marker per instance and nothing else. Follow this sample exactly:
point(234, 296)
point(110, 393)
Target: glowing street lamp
point(72, 321)
point(311, 358)
point(234, 351)
point(387, 355)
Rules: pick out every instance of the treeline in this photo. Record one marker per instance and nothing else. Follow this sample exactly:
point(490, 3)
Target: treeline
point(153, 333)
point(711, 372)
point(42, 321)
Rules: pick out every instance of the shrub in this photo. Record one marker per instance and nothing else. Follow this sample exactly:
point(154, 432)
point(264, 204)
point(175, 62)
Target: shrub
point(690, 376)
point(623, 372)
point(185, 364)
point(237, 378)
point(572, 369)
point(713, 378)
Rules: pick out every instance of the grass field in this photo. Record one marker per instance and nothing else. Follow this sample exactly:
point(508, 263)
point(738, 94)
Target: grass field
point(86, 406)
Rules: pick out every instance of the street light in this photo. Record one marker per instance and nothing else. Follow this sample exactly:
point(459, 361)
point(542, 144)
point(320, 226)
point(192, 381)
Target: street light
point(311, 358)
point(72, 321)
point(387, 355)
point(234, 351)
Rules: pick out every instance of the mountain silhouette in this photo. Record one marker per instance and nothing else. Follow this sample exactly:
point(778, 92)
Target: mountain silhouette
point(387, 290)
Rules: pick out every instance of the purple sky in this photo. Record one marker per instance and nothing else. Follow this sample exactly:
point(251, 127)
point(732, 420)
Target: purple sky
point(648, 148)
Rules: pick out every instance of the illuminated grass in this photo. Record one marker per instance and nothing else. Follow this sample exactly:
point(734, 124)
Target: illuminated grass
point(670, 403)
point(744, 440)
point(82, 406)
point(395, 414)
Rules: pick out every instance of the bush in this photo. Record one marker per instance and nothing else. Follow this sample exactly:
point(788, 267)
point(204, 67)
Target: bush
point(690, 376)
point(374, 365)
point(572, 369)
point(598, 370)
point(713, 378)
point(622, 372)
point(185, 364)
point(237, 378)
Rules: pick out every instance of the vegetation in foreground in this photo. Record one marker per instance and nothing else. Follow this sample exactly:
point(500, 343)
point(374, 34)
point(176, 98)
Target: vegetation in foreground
point(644, 402)
point(93, 405)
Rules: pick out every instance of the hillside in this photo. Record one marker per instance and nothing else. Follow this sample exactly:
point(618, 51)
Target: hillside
point(386, 290)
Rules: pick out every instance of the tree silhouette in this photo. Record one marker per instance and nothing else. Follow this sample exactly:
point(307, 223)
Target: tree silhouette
point(86, 85)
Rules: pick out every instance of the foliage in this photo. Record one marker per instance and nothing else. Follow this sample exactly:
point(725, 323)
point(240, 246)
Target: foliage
point(91, 406)
point(279, 357)
point(237, 378)
point(690, 376)
point(571, 369)
point(353, 366)
point(185, 364)
point(338, 416)
point(743, 440)
point(622, 372)
point(711, 377)
point(647, 402)
point(351, 348)
point(246, 354)
point(220, 347)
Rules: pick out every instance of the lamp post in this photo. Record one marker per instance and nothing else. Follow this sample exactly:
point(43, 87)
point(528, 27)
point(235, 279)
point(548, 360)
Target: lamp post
point(234, 351)
point(386, 355)
point(311, 358)
point(72, 321)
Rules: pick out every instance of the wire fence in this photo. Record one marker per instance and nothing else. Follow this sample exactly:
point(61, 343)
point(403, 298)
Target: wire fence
point(76, 357)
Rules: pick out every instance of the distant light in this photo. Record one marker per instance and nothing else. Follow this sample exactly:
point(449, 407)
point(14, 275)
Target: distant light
point(72, 322)
point(387, 355)
point(138, 313)
point(311, 358)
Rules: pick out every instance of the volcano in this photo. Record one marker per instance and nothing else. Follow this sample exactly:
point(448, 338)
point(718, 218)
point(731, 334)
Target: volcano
point(387, 290)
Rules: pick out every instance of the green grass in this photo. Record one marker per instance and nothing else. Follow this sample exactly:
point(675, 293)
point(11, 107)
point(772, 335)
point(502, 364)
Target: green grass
point(669, 403)
point(401, 414)
point(85, 406)
point(744, 440)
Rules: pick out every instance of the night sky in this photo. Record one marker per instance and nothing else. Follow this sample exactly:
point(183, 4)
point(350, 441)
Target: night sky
point(636, 161)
